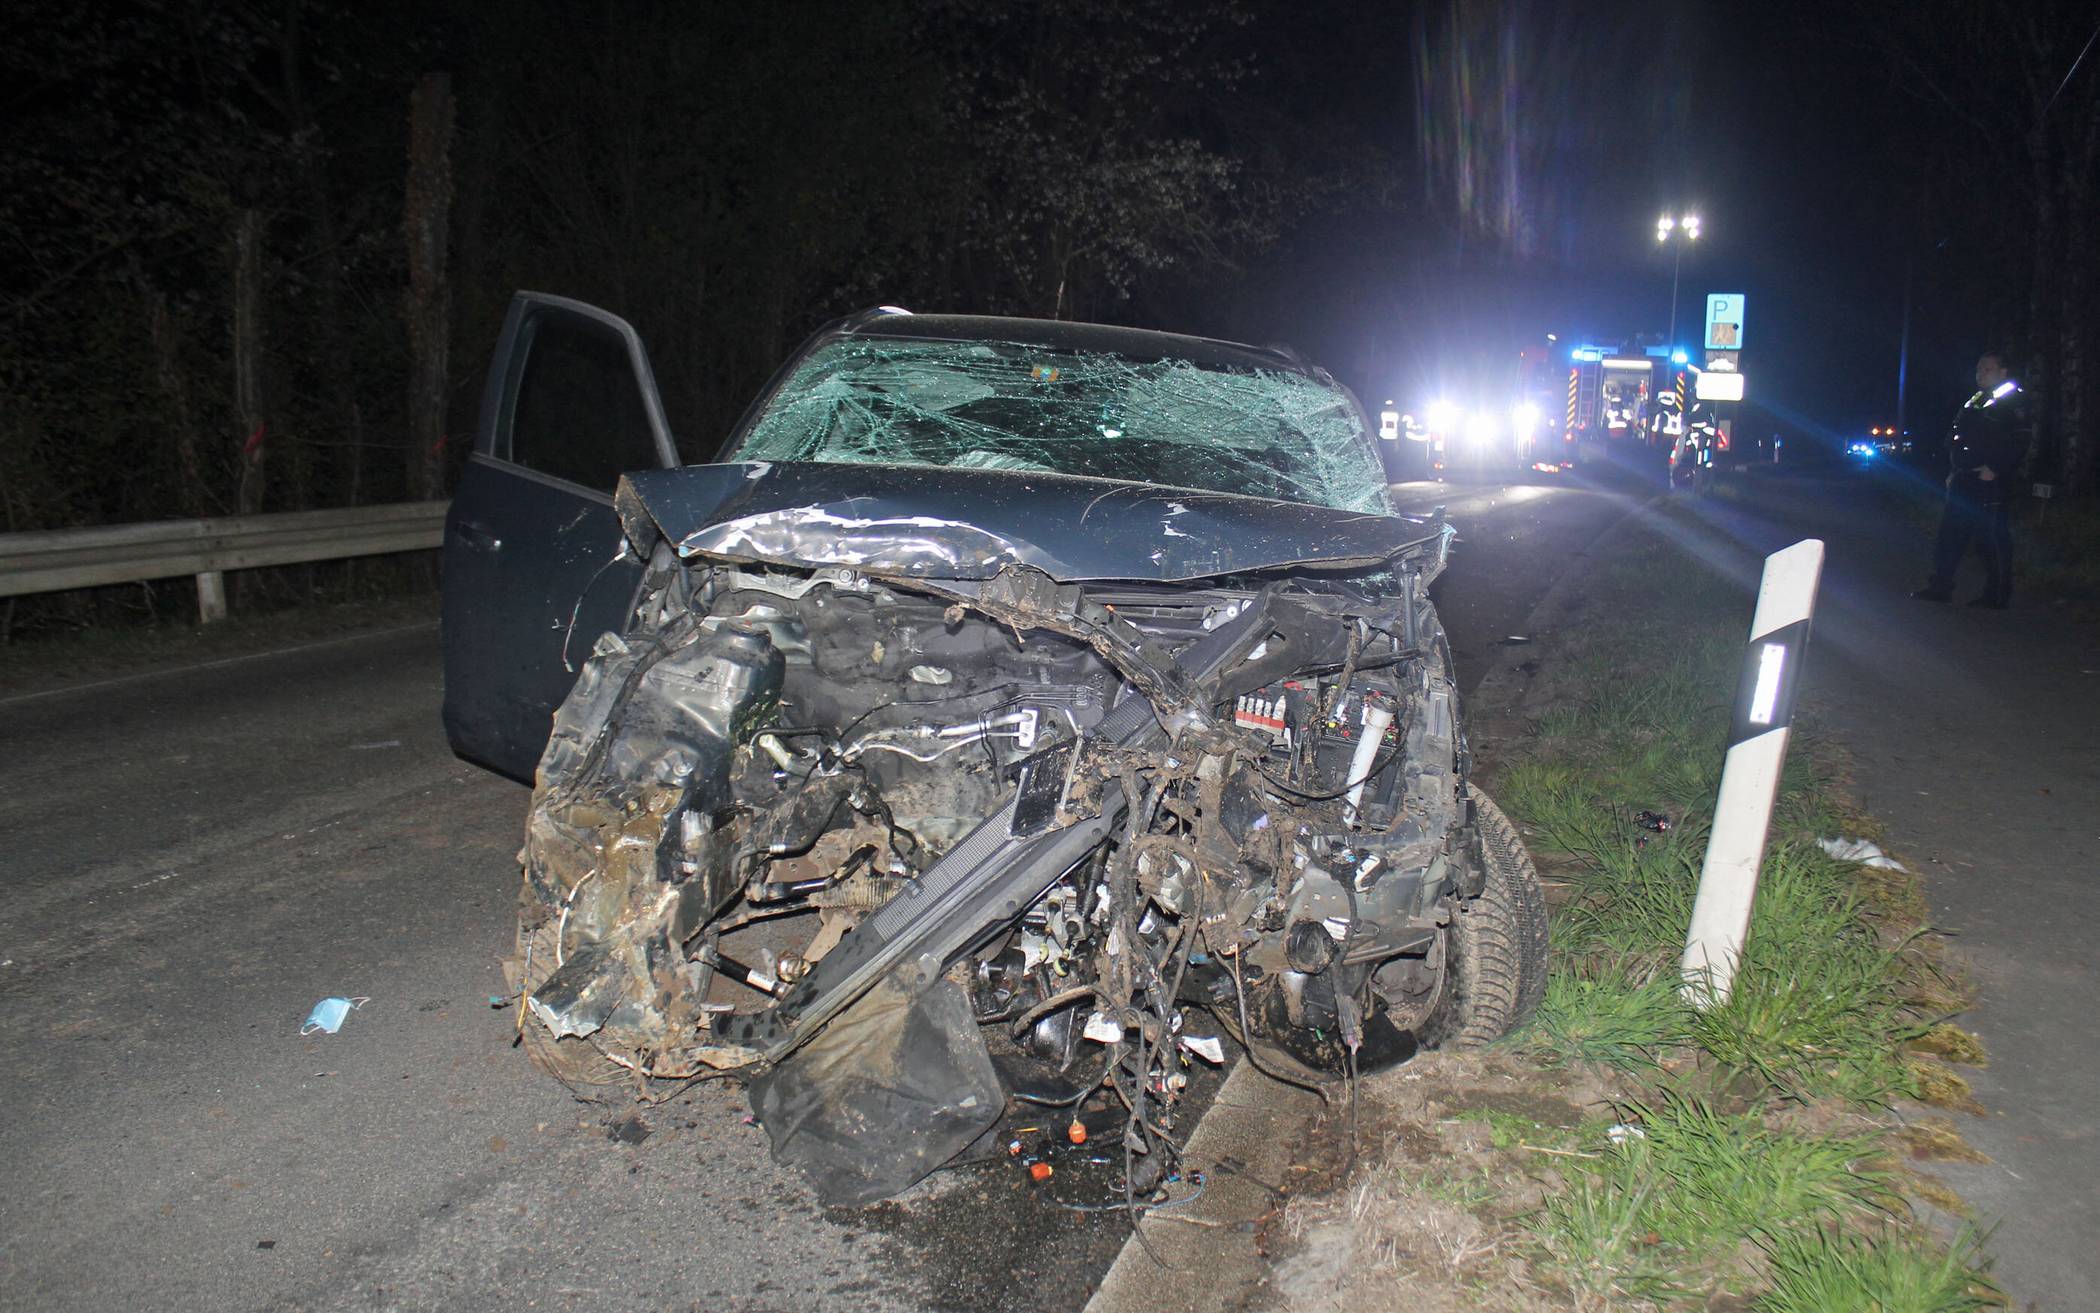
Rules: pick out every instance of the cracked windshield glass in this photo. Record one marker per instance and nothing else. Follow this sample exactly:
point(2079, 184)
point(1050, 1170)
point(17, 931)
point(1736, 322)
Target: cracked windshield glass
point(1002, 406)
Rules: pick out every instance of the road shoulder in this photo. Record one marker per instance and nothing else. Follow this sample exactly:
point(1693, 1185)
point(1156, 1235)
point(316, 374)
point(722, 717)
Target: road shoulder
point(111, 654)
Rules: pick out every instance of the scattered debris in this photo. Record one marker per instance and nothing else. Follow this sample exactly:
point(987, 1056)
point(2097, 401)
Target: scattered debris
point(1864, 851)
point(1206, 1047)
point(630, 1129)
point(328, 1014)
point(1652, 821)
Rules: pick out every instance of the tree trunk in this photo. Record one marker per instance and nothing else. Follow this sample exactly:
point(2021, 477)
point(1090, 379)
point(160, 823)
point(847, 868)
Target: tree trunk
point(479, 140)
point(2073, 317)
point(426, 220)
point(2045, 267)
point(251, 431)
point(192, 498)
point(2077, 315)
point(333, 354)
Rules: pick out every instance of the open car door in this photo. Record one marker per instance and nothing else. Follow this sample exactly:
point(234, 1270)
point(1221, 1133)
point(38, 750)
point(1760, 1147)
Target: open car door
point(534, 566)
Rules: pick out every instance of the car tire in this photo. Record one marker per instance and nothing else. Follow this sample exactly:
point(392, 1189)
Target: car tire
point(1495, 947)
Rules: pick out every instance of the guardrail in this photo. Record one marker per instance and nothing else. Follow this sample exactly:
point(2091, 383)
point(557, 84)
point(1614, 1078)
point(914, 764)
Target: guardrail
point(49, 560)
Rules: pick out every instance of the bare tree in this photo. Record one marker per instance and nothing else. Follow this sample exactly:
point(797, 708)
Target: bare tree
point(174, 384)
point(251, 420)
point(426, 220)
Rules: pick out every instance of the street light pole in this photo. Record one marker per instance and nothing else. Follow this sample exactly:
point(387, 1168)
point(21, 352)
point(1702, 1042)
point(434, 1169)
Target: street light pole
point(1676, 263)
point(1910, 264)
point(1676, 231)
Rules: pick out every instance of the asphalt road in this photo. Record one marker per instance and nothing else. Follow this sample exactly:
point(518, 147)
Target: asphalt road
point(194, 856)
point(1514, 540)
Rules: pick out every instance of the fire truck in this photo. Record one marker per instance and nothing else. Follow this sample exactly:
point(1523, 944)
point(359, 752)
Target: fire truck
point(1498, 421)
point(1623, 398)
point(1545, 441)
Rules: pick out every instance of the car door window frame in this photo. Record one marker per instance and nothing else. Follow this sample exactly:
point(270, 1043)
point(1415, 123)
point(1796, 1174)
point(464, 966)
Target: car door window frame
point(514, 350)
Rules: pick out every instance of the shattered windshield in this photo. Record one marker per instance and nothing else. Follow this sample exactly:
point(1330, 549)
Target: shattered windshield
point(1006, 406)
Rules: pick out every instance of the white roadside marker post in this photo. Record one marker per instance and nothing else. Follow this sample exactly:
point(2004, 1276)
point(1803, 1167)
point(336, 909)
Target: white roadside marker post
point(1764, 718)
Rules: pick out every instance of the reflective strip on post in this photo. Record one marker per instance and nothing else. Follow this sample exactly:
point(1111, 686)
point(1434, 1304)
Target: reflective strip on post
point(1764, 717)
point(1764, 695)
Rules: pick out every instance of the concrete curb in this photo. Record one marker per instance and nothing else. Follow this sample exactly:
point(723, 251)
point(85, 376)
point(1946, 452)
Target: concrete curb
point(1244, 1145)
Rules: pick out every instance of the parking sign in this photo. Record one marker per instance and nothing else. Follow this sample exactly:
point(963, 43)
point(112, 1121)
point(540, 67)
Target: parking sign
point(1724, 321)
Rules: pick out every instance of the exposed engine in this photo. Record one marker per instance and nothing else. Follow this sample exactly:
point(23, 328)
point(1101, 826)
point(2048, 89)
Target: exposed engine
point(896, 850)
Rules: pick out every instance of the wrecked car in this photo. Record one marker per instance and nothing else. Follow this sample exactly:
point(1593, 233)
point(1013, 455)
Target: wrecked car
point(1013, 710)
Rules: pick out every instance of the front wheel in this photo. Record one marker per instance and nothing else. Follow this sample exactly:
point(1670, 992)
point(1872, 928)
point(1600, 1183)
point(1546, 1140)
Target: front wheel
point(1492, 975)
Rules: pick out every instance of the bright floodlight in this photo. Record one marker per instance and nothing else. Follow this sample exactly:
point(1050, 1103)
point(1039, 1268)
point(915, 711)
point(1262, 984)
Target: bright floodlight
point(1442, 416)
point(1665, 223)
point(1526, 417)
point(1691, 227)
point(1480, 428)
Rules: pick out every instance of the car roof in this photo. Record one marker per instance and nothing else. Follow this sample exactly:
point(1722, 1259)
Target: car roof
point(1065, 335)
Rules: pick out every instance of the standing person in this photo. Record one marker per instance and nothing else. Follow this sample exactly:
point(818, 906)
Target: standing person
point(1985, 451)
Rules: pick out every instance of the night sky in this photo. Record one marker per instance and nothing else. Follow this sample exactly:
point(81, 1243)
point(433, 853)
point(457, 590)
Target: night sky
point(1781, 125)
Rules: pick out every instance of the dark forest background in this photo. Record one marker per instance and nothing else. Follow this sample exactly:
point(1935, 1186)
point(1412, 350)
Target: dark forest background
point(256, 253)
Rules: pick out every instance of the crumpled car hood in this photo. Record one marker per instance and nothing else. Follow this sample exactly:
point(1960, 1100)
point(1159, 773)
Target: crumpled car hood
point(971, 524)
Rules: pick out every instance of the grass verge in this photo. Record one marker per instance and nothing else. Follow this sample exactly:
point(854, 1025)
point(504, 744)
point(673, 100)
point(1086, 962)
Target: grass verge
point(1748, 1156)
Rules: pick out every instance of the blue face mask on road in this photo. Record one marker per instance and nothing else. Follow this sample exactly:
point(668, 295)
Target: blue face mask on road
point(328, 1015)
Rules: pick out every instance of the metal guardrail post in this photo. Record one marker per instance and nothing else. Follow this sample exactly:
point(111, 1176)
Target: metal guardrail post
point(211, 597)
